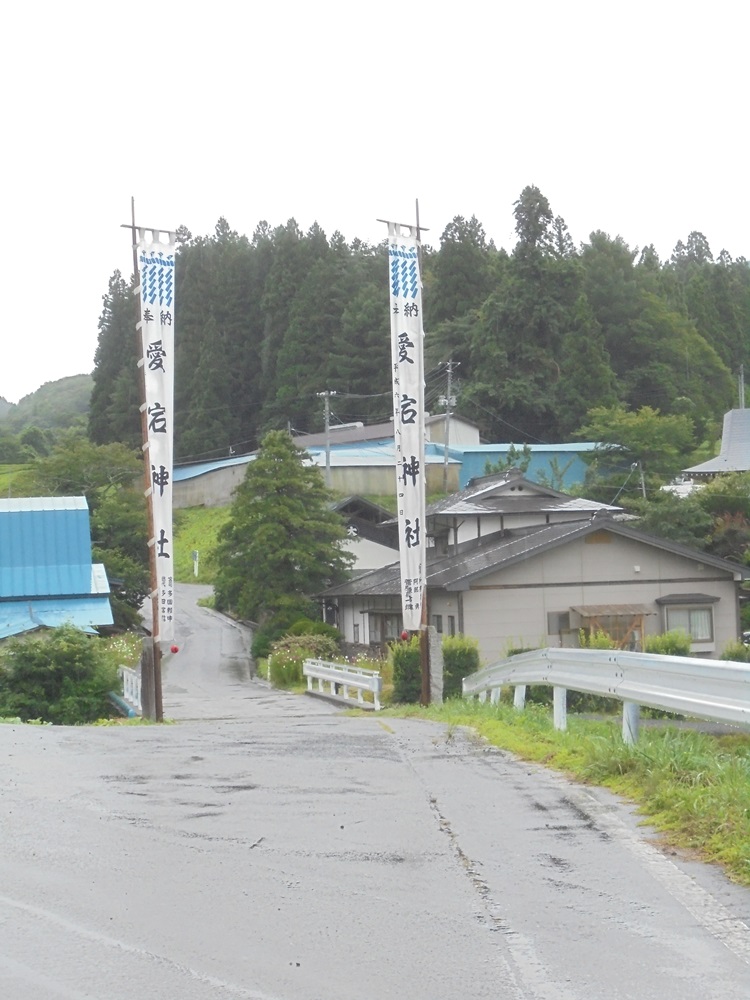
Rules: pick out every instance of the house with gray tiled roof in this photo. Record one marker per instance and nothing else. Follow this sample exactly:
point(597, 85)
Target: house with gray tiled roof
point(515, 564)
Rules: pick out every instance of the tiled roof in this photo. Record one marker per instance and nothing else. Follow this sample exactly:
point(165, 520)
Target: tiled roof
point(491, 553)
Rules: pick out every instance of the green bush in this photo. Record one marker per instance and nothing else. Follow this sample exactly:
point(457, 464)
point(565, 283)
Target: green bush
point(598, 639)
point(285, 671)
point(407, 671)
point(736, 651)
point(62, 676)
point(287, 655)
point(306, 626)
point(460, 658)
point(262, 639)
point(274, 627)
point(673, 643)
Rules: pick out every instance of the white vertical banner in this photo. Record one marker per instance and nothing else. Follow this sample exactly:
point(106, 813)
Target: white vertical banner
point(156, 269)
point(407, 363)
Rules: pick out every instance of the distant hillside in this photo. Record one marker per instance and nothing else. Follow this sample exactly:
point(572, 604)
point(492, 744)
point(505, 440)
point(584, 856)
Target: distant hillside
point(55, 405)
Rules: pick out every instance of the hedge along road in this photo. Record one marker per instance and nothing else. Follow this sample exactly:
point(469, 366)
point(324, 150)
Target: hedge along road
point(287, 852)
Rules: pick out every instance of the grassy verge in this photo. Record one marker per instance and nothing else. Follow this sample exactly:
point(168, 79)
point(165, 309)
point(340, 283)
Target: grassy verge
point(694, 788)
point(196, 530)
point(8, 473)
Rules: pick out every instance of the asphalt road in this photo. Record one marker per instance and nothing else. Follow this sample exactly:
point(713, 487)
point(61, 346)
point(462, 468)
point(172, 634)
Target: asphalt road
point(267, 847)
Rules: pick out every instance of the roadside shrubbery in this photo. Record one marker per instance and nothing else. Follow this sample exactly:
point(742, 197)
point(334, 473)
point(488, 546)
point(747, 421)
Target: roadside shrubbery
point(673, 643)
point(62, 676)
point(460, 658)
point(287, 655)
point(407, 670)
point(736, 651)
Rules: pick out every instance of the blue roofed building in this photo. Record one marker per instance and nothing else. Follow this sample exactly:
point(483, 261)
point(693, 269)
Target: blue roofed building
point(47, 577)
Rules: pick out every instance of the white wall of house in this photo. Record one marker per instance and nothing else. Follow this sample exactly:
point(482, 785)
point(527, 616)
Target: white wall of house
point(510, 609)
point(368, 554)
point(470, 526)
point(461, 432)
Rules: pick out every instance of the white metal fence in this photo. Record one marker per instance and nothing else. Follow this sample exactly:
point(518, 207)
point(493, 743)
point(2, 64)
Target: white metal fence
point(131, 686)
point(709, 689)
point(341, 677)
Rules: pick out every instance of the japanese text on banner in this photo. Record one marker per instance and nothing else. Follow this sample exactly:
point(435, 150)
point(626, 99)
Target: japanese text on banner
point(407, 363)
point(156, 265)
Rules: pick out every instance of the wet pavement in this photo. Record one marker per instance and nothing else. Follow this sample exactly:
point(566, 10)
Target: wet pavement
point(266, 846)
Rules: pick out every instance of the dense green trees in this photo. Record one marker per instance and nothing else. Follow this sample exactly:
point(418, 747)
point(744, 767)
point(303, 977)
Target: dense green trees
point(282, 542)
point(115, 397)
point(543, 334)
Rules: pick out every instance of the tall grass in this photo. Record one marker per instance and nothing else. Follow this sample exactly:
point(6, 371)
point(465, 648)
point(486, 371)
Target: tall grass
point(196, 530)
point(8, 474)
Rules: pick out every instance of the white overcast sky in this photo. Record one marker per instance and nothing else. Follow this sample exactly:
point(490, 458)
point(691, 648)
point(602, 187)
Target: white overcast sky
point(630, 117)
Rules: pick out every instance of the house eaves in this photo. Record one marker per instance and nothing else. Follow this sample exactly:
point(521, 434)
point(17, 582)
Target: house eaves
point(480, 557)
point(511, 493)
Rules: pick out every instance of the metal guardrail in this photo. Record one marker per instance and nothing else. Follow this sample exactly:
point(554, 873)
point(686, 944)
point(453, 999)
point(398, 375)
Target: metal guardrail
point(341, 677)
point(709, 689)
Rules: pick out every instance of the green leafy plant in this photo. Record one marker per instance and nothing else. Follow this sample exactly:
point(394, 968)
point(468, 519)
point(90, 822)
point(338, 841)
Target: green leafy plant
point(595, 639)
point(61, 676)
point(407, 670)
point(460, 658)
point(674, 643)
point(287, 656)
point(736, 651)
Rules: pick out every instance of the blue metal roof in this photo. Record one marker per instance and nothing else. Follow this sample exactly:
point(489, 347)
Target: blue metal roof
point(45, 547)
point(83, 612)
point(46, 574)
point(195, 469)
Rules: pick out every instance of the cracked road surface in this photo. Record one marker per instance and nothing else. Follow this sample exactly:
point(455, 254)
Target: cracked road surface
point(268, 847)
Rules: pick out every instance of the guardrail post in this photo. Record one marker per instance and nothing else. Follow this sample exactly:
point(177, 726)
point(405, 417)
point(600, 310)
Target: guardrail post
point(560, 707)
point(519, 697)
point(631, 721)
point(495, 695)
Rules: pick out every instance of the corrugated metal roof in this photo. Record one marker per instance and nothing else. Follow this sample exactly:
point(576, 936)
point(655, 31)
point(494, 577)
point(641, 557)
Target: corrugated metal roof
point(46, 574)
point(45, 547)
point(25, 616)
point(734, 455)
point(491, 449)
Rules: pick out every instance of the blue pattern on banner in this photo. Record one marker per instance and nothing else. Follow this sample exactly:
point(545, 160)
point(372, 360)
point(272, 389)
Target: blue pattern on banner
point(394, 277)
point(404, 271)
point(157, 278)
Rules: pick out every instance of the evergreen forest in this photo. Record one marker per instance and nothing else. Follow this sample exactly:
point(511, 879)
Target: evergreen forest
point(538, 337)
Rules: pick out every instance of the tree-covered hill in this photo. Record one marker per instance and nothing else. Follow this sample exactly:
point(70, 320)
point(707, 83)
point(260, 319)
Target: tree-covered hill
point(54, 406)
point(542, 334)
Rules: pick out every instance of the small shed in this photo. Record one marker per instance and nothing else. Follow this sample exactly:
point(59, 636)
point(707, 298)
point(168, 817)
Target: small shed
point(47, 577)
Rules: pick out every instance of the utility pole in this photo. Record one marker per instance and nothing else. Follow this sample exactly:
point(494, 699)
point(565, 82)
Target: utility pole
point(327, 396)
point(448, 401)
